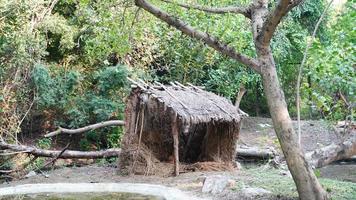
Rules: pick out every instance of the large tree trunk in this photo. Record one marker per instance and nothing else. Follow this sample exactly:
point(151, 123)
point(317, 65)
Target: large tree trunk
point(307, 184)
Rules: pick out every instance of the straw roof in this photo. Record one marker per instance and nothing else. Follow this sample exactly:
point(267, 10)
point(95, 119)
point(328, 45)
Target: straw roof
point(192, 104)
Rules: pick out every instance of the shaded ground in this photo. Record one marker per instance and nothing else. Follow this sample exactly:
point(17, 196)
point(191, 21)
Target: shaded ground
point(255, 131)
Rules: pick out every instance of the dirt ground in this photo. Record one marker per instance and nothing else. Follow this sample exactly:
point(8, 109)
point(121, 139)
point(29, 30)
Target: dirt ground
point(255, 132)
point(258, 131)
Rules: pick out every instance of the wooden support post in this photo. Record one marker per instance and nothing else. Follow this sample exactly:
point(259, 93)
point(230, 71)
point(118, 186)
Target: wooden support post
point(176, 154)
point(175, 146)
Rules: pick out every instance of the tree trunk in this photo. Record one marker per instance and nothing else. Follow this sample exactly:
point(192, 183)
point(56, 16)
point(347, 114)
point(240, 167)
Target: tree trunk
point(333, 152)
point(307, 184)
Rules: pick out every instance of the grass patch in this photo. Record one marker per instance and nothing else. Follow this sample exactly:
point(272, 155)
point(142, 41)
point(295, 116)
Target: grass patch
point(339, 189)
point(281, 185)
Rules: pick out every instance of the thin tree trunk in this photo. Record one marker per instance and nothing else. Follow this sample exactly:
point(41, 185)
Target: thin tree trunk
point(257, 101)
point(307, 184)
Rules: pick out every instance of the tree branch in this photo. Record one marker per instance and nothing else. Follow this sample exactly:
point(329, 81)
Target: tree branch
point(274, 18)
point(246, 11)
point(300, 70)
point(206, 38)
point(59, 154)
point(86, 128)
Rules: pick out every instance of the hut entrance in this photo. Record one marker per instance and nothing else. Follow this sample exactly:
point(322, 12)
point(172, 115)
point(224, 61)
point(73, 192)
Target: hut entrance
point(177, 124)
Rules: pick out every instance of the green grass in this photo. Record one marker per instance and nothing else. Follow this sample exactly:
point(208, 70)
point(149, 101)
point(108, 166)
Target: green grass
point(281, 185)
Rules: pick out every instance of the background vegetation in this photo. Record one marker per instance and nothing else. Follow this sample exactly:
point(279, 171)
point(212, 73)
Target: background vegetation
point(66, 64)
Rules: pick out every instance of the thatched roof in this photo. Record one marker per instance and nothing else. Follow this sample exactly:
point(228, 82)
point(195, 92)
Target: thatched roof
point(191, 104)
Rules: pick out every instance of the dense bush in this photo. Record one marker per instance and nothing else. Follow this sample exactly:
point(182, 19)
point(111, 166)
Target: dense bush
point(77, 100)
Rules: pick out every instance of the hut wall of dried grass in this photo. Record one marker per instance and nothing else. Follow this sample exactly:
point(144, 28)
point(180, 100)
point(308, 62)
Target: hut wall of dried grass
point(206, 128)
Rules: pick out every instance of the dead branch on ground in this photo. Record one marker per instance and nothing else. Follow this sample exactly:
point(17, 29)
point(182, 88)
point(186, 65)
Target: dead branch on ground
point(255, 153)
point(64, 155)
point(86, 128)
point(333, 152)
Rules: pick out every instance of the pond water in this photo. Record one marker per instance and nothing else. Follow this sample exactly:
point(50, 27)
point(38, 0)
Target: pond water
point(92, 191)
point(83, 196)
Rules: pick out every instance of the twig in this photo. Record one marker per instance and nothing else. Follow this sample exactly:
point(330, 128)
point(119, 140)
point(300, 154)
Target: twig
point(135, 83)
point(28, 110)
point(140, 137)
point(56, 158)
point(174, 97)
point(302, 65)
point(12, 153)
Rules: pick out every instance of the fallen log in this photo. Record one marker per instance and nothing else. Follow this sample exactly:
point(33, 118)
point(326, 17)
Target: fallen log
point(255, 153)
point(333, 152)
point(86, 128)
point(59, 154)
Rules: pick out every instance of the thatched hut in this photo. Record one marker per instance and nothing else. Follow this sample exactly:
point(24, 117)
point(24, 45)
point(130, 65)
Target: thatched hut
point(177, 124)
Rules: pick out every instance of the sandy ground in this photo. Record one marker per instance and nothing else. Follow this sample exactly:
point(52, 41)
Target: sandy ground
point(255, 132)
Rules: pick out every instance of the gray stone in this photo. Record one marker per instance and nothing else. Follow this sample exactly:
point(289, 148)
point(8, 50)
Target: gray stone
point(30, 174)
point(254, 192)
point(216, 184)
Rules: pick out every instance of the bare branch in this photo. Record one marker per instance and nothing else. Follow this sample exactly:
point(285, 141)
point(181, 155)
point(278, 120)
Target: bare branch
point(86, 128)
point(206, 38)
point(274, 18)
point(59, 154)
point(300, 71)
point(246, 11)
point(239, 95)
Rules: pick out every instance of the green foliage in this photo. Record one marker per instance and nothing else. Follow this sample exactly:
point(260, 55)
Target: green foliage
point(77, 102)
point(331, 69)
point(44, 143)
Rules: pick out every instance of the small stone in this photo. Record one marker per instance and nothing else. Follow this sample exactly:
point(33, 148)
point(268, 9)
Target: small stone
point(285, 173)
point(215, 184)
point(231, 183)
point(254, 192)
point(30, 174)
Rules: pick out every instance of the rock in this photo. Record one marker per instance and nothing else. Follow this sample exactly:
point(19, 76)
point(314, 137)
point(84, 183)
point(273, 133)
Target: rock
point(285, 173)
point(216, 184)
point(30, 174)
point(254, 192)
point(264, 125)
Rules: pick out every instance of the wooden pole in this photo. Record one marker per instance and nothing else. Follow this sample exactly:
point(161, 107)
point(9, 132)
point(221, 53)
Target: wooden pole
point(175, 146)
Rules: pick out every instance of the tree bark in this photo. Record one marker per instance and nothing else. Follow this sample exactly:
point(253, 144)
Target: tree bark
point(307, 184)
point(333, 152)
